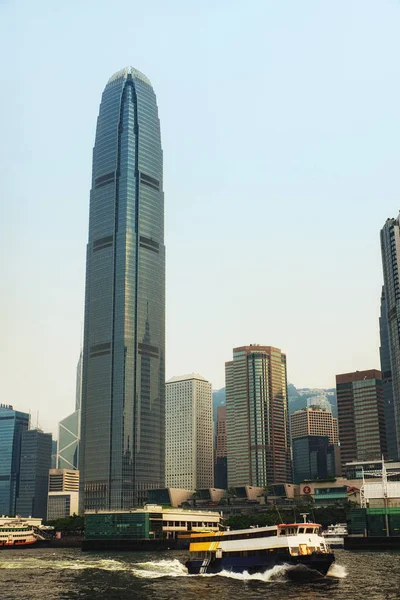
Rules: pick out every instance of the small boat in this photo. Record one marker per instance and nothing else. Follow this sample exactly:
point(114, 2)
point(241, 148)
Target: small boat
point(257, 549)
point(17, 532)
point(335, 535)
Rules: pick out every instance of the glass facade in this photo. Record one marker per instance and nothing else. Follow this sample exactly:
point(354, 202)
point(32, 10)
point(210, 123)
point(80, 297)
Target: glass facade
point(313, 458)
point(123, 380)
point(390, 327)
point(387, 383)
point(34, 474)
point(257, 417)
point(68, 442)
point(12, 425)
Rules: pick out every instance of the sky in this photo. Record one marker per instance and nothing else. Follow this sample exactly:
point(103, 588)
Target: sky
point(280, 127)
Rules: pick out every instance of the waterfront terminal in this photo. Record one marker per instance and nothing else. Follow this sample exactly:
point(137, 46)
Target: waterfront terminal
point(152, 527)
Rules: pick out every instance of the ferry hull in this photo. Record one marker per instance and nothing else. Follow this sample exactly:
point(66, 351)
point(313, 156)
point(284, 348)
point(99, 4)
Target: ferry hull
point(319, 563)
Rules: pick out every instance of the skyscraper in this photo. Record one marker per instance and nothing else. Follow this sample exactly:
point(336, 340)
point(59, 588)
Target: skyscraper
point(220, 468)
point(313, 458)
point(12, 425)
point(314, 421)
point(123, 382)
point(69, 430)
point(362, 432)
point(34, 474)
point(390, 312)
point(189, 433)
point(257, 417)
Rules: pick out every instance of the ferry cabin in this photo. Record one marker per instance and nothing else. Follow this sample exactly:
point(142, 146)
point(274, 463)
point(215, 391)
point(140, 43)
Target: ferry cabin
point(297, 539)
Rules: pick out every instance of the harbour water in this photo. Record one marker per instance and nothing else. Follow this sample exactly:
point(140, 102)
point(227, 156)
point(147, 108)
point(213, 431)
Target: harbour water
point(69, 574)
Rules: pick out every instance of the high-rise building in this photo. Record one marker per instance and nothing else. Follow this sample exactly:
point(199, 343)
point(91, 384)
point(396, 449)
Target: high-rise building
point(313, 458)
point(221, 451)
point(257, 417)
point(12, 424)
point(63, 480)
point(63, 498)
point(122, 451)
point(362, 431)
point(189, 457)
point(390, 327)
point(34, 474)
point(387, 383)
point(314, 421)
point(69, 430)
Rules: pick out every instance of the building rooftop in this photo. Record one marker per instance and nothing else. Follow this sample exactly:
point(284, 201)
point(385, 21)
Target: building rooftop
point(187, 378)
point(123, 74)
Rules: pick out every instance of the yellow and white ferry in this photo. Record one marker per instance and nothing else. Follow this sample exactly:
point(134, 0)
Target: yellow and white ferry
point(257, 549)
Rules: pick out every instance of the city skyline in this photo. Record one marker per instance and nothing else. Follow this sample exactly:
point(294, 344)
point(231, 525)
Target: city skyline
point(318, 155)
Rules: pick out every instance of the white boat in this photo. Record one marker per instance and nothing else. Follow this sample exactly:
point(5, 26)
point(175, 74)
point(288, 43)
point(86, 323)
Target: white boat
point(335, 535)
point(257, 549)
point(17, 532)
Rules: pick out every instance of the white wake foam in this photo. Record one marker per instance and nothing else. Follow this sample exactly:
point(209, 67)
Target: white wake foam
point(338, 571)
point(277, 573)
point(162, 568)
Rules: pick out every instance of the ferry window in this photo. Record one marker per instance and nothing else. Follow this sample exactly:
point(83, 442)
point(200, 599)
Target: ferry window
point(309, 530)
point(301, 529)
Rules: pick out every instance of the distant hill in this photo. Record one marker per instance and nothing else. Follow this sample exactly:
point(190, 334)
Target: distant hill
point(298, 397)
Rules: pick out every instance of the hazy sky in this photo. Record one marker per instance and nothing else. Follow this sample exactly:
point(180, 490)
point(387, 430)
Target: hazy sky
point(280, 126)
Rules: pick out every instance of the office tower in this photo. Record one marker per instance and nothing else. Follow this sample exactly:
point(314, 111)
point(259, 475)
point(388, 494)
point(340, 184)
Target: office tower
point(362, 431)
point(122, 451)
point(387, 383)
point(63, 480)
point(69, 430)
point(12, 424)
point(34, 474)
point(63, 498)
point(220, 469)
point(314, 421)
point(390, 249)
point(189, 453)
point(257, 417)
point(313, 458)
point(54, 450)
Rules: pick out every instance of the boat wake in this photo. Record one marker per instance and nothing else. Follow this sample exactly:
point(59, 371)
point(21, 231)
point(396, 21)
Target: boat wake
point(173, 568)
point(338, 571)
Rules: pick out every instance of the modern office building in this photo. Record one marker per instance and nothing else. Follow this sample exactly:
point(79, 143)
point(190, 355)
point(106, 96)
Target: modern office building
point(257, 417)
point(362, 431)
point(34, 474)
point(390, 248)
point(63, 499)
point(63, 480)
point(189, 458)
point(12, 424)
point(122, 451)
point(313, 458)
point(314, 421)
point(69, 429)
point(387, 382)
point(221, 451)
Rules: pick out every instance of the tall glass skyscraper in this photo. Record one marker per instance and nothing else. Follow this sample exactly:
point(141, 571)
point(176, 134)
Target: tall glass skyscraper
point(123, 380)
point(12, 425)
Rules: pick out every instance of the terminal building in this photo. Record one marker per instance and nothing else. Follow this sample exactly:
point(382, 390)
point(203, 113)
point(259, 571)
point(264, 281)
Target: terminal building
point(132, 528)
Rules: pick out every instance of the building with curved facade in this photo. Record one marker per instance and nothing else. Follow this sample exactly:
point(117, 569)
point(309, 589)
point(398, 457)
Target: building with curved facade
point(123, 381)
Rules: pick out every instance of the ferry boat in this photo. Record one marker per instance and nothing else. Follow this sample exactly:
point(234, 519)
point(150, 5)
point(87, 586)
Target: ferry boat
point(257, 549)
point(335, 535)
point(17, 532)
